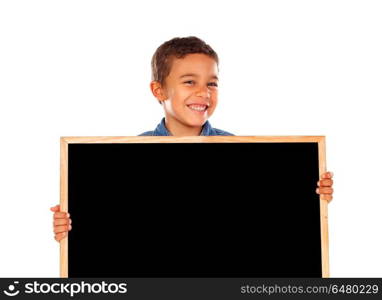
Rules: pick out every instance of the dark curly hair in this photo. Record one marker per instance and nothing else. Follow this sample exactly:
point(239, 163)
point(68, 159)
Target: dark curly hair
point(177, 48)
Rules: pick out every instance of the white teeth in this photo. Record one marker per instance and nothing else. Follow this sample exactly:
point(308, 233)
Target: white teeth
point(198, 107)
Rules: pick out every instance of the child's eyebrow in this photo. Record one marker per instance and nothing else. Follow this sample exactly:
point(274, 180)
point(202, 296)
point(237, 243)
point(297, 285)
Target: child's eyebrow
point(196, 75)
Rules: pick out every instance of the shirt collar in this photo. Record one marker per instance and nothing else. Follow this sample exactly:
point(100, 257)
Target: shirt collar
point(161, 129)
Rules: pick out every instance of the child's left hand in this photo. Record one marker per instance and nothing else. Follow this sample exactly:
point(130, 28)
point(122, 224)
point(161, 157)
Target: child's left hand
point(325, 186)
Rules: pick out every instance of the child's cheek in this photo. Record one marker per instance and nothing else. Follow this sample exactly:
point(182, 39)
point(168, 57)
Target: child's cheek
point(210, 110)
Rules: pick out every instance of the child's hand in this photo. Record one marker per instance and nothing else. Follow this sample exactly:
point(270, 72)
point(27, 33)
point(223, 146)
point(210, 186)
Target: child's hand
point(325, 186)
point(61, 223)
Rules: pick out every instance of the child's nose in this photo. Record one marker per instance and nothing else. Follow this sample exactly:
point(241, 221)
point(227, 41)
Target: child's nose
point(203, 92)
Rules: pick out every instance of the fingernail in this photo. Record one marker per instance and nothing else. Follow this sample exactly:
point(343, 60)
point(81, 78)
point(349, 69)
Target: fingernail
point(331, 174)
point(68, 215)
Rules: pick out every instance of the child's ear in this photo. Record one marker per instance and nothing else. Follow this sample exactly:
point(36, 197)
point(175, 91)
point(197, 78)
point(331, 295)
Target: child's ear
point(158, 91)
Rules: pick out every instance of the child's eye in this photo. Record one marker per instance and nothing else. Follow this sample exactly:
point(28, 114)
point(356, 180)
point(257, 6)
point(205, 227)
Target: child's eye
point(192, 82)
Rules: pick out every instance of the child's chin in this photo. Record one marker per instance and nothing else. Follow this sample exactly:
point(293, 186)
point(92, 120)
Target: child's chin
point(197, 122)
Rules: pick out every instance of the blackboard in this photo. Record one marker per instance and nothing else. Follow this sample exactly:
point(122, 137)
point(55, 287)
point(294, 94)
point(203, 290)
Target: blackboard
point(193, 207)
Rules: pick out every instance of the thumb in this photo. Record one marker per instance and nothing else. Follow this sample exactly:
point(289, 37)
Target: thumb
point(55, 208)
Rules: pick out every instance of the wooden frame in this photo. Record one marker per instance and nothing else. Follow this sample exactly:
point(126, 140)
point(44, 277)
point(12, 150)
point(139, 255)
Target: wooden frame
point(65, 141)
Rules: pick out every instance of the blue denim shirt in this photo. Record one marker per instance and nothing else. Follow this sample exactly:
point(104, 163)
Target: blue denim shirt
point(207, 130)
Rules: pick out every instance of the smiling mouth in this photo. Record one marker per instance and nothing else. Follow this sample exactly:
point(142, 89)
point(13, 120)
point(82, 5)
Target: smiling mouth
point(198, 108)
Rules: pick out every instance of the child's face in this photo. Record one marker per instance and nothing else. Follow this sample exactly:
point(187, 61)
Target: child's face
point(192, 80)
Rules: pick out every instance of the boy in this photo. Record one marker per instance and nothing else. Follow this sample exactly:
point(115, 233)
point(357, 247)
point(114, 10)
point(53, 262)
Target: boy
point(185, 82)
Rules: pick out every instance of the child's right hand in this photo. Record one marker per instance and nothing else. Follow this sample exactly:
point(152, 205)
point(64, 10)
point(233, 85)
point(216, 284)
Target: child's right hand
point(61, 223)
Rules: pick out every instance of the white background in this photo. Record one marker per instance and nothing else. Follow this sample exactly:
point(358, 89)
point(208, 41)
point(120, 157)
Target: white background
point(82, 68)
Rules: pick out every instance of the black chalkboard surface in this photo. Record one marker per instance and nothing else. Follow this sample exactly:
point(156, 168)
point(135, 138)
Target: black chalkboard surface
point(194, 210)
